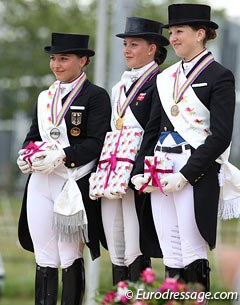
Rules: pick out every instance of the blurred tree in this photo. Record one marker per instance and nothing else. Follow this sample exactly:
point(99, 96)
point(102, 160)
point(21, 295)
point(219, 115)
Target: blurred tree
point(26, 27)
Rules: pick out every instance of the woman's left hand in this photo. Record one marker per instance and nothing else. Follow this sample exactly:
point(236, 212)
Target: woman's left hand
point(173, 182)
point(45, 162)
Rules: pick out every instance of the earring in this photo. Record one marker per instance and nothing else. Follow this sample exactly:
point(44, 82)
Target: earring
point(198, 40)
point(149, 54)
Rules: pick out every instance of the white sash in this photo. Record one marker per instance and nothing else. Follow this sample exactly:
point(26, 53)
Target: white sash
point(193, 123)
point(70, 219)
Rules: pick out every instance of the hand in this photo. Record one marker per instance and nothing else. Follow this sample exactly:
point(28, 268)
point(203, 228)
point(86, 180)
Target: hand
point(91, 181)
point(173, 182)
point(46, 161)
point(139, 181)
point(21, 152)
point(109, 195)
point(24, 166)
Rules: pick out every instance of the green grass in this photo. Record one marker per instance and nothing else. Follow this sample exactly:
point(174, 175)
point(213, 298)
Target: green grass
point(20, 265)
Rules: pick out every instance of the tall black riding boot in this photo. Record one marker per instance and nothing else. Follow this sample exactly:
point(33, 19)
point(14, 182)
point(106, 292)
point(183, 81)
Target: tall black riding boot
point(136, 268)
point(177, 273)
point(46, 286)
point(199, 272)
point(73, 283)
point(119, 273)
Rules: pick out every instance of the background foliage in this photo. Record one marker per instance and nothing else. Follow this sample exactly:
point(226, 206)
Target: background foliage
point(26, 27)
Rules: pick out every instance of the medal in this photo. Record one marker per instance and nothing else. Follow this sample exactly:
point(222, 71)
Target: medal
point(75, 132)
point(119, 123)
point(123, 102)
point(174, 110)
point(55, 133)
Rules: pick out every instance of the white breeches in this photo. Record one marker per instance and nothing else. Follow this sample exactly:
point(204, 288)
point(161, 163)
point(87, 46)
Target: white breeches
point(174, 219)
point(121, 228)
point(49, 251)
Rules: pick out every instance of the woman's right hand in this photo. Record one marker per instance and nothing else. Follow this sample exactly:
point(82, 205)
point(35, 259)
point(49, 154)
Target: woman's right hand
point(139, 181)
point(23, 165)
point(109, 195)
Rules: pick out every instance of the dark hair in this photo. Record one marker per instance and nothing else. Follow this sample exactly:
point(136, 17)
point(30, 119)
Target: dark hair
point(88, 59)
point(161, 52)
point(210, 33)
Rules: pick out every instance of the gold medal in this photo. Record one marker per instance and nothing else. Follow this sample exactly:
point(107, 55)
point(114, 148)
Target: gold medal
point(119, 123)
point(174, 110)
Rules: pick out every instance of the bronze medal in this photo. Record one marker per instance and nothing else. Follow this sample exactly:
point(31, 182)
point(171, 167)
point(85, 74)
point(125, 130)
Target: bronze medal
point(76, 118)
point(55, 133)
point(174, 110)
point(75, 132)
point(119, 123)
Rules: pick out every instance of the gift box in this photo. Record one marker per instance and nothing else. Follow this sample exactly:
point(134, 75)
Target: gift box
point(33, 147)
point(156, 168)
point(116, 162)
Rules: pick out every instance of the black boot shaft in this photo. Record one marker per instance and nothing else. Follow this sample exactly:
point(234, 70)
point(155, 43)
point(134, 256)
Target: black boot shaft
point(199, 272)
point(46, 286)
point(177, 273)
point(136, 268)
point(73, 283)
point(119, 273)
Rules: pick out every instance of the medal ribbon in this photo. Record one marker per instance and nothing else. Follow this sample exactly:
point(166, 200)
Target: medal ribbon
point(57, 118)
point(178, 93)
point(153, 69)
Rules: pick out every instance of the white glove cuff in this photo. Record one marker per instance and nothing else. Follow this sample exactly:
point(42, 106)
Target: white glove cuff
point(134, 178)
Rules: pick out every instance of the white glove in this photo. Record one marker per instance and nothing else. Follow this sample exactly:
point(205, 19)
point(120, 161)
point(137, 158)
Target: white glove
point(91, 196)
point(109, 195)
point(46, 161)
point(23, 165)
point(139, 181)
point(21, 152)
point(173, 182)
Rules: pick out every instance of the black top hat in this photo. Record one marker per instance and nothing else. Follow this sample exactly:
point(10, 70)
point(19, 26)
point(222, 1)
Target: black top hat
point(69, 43)
point(144, 28)
point(187, 14)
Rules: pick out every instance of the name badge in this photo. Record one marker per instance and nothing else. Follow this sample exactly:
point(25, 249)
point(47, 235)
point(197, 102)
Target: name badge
point(77, 107)
point(199, 85)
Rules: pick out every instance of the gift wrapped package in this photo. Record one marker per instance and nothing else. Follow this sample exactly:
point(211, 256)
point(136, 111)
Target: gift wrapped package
point(156, 168)
point(33, 147)
point(116, 162)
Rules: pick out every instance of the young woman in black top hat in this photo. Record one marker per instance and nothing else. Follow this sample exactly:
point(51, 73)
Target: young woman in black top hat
point(59, 152)
point(197, 109)
point(134, 100)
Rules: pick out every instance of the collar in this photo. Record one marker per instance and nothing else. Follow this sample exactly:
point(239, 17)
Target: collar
point(187, 66)
point(67, 87)
point(129, 77)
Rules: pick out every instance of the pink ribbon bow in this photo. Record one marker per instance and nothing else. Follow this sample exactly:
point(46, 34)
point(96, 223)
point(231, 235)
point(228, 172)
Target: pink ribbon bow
point(153, 170)
point(30, 150)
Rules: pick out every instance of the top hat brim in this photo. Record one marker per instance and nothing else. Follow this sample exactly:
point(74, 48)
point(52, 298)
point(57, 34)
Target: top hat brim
point(78, 51)
point(206, 23)
point(163, 40)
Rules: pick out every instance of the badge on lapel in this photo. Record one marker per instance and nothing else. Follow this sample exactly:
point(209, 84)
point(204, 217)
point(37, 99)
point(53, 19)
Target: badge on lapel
point(76, 118)
point(75, 132)
point(140, 97)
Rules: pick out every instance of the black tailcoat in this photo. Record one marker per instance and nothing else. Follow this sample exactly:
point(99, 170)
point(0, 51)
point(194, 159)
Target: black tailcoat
point(201, 170)
point(95, 122)
point(145, 111)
